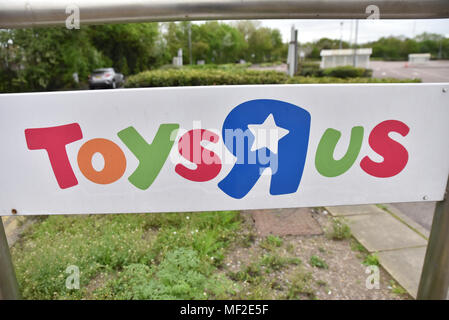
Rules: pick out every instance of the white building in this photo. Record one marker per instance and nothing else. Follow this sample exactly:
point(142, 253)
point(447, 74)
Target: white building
point(418, 58)
point(345, 57)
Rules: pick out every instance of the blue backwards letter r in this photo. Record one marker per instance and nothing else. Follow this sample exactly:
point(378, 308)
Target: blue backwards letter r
point(244, 134)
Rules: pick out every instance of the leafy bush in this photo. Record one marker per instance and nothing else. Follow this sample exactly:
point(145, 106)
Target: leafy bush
point(199, 77)
point(310, 69)
point(235, 76)
point(347, 72)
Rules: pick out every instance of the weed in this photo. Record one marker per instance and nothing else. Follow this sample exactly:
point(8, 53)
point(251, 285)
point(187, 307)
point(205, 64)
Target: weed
point(250, 273)
point(317, 262)
point(248, 239)
point(301, 286)
point(371, 260)
point(274, 262)
point(340, 230)
point(356, 246)
point(396, 288)
point(321, 283)
point(271, 242)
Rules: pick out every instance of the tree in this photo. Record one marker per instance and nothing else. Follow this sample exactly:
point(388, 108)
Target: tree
point(45, 59)
point(130, 47)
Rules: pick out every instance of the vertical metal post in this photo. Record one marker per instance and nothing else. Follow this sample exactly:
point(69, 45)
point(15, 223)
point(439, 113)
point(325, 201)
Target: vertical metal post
point(434, 282)
point(355, 42)
point(9, 288)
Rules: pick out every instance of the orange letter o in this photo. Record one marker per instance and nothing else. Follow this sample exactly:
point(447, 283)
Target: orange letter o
point(114, 161)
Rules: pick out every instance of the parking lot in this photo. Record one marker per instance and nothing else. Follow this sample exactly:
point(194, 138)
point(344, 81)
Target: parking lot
point(432, 71)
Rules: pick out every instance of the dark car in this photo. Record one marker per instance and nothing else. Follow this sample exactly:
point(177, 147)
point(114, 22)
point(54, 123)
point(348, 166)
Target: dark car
point(105, 78)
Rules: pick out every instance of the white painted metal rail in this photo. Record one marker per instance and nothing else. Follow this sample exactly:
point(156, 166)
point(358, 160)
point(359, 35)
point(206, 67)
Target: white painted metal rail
point(30, 13)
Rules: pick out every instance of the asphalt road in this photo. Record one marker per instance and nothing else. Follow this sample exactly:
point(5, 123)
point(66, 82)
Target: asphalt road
point(432, 71)
point(420, 212)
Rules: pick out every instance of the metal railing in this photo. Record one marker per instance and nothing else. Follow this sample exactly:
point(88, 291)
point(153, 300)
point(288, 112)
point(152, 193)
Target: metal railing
point(29, 13)
point(32, 13)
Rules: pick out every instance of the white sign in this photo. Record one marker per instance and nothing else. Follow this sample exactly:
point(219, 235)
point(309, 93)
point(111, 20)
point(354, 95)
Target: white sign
point(221, 148)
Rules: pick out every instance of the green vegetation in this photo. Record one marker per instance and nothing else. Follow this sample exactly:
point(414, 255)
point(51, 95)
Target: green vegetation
point(198, 77)
point(371, 260)
point(357, 247)
point(340, 230)
point(271, 242)
point(45, 59)
point(393, 48)
point(140, 256)
point(312, 69)
point(397, 289)
point(233, 76)
point(317, 262)
point(274, 262)
point(301, 286)
point(180, 275)
point(251, 274)
point(388, 48)
point(345, 72)
point(309, 69)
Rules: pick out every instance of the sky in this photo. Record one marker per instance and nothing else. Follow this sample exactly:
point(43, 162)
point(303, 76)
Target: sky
point(369, 30)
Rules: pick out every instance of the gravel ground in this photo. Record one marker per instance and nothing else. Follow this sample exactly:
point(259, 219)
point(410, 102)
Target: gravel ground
point(345, 277)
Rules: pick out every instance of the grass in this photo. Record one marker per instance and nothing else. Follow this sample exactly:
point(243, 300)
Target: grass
point(318, 262)
point(397, 289)
point(153, 256)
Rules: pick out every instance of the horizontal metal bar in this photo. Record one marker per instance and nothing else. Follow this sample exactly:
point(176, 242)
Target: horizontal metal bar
point(31, 13)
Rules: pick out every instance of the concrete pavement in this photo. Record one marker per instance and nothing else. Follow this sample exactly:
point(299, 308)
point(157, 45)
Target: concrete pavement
point(399, 248)
point(399, 242)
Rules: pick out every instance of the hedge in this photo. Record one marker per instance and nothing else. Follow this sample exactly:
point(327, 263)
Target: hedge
point(209, 77)
point(312, 69)
point(347, 72)
point(198, 77)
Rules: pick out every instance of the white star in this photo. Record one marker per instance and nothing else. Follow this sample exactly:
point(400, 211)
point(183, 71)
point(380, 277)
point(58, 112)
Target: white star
point(260, 131)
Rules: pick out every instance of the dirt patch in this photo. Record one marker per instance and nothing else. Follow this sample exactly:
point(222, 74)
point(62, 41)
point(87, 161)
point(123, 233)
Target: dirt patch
point(282, 267)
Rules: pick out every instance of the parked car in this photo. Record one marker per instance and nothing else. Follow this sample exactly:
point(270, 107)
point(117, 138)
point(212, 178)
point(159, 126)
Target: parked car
point(105, 78)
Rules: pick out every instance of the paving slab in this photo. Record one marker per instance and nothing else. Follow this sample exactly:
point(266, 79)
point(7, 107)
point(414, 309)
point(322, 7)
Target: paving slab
point(378, 232)
point(282, 222)
point(404, 265)
point(353, 210)
point(403, 215)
